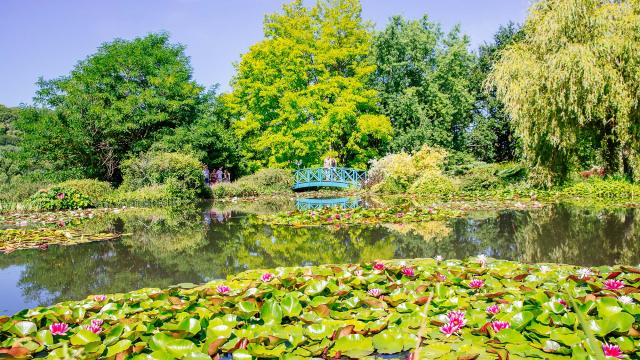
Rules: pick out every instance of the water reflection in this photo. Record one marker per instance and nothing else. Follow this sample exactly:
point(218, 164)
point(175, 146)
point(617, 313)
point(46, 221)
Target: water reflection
point(169, 246)
point(319, 203)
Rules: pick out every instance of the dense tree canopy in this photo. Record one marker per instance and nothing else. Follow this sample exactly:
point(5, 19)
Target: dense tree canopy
point(490, 137)
point(301, 93)
point(9, 136)
point(574, 80)
point(113, 104)
point(423, 78)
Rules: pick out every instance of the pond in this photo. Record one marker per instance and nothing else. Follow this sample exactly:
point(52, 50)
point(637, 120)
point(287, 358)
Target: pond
point(170, 246)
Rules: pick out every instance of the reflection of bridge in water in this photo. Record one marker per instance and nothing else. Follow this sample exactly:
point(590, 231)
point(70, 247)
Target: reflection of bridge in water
point(318, 203)
point(328, 177)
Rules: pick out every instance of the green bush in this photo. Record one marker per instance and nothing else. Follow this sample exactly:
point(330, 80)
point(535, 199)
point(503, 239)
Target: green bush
point(59, 198)
point(144, 195)
point(181, 173)
point(96, 190)
point(596, 187)
point(20, 188)
point(434, 184)
point(491, 176)
point(263, 182)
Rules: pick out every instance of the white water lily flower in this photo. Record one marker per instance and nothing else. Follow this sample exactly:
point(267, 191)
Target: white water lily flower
point(544, 269)
point(439, 258)
point(625, 299)
point(584, 273)
point(482, 258)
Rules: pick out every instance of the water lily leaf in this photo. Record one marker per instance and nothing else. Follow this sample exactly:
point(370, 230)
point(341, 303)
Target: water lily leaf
point(510, 336)
point(118, 347)
point(315, 287)
point(45, 337)
point(241, 354)
point(271, 312)
point(620, 322)
point(433, 351)
point(196, 356)
point(354, 346)
point(608, 307)
point(388, 341)
point(565, 336)
point(190, 325)
point(318, 331)
point(247, 308)
point(175, 347)
point(84, 337)
point(24, 328)
point(291, 307)
point(218, 329)
point(521, 319)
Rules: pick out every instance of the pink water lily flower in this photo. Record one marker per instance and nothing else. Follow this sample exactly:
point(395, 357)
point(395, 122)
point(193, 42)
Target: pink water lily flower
point(100, 298)
point(563, 302)
point(374, 292)
point(449, 329)
point(358, 272)
point(224, 289)
point(60, 196)
point(612, 284)
point(378, 266)
point(456, 318)
point(97, 322)
point(59, 328)
point(266, 277)
point(498, 326)
point(476, 283)
point(612, 351)
point(441, 277)
point(96, 329)
point(493, 309)
point(408, 271)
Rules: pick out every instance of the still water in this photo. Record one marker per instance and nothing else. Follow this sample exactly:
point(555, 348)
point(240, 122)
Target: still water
point(169, 246)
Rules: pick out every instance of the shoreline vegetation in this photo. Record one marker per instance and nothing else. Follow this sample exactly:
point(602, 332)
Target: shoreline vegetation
point(478, 308)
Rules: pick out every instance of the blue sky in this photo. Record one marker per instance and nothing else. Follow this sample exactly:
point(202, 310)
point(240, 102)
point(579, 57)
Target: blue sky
point(46, 38)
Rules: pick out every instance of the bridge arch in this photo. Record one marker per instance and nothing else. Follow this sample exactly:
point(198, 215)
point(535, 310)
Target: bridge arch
point(336, 177)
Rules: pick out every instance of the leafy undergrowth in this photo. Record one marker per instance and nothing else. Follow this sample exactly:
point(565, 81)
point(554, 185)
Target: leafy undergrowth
point(16, 239)
point(397, 214)
point(480, 308)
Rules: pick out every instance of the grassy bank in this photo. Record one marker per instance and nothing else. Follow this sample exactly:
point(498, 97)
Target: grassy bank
point(479, 308)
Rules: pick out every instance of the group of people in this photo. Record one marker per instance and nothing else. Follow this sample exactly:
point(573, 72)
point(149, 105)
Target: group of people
point(215, 176)
point(330, 162)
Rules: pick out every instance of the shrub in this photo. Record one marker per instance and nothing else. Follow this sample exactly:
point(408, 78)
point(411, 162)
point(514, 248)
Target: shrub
point(397, 173)
point(96, 190)
point(393, 173)
point(600, 188)
point(459, 163)
point(491, 176)
point(20, 188)
point(181, 173)
point(263, 182)
point(59, 198)
point(436, 184)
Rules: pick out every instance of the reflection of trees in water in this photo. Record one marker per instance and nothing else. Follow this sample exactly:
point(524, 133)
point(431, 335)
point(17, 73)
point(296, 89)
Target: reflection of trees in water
point(567, 234)
point(171, 246)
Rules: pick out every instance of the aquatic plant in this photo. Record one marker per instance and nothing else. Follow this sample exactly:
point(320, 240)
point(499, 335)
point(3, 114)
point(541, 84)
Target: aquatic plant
point(353, 311)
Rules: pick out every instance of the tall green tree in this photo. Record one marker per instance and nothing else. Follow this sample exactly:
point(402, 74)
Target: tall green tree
point(423, 77)
point(301, 93)
point(491, 137)
point(574, 80)
point(112, 105)
point(9, 137)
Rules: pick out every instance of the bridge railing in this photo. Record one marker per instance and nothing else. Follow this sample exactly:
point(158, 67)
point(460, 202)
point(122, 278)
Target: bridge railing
point(330, 175)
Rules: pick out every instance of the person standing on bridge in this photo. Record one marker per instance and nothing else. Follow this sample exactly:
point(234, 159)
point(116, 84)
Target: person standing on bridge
point(327, 167)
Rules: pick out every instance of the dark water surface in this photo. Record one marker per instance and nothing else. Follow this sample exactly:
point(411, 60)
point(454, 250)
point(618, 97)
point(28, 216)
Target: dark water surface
point(169, 246)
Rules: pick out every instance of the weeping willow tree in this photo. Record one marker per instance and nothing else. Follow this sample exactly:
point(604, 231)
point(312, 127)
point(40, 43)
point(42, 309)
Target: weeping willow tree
point(573, 82)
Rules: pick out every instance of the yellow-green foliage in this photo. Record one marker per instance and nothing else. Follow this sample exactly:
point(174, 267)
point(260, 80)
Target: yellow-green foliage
point(96, 190)
point(599, 188)
point(420, 172)
point(263, 182)
point(433, 183)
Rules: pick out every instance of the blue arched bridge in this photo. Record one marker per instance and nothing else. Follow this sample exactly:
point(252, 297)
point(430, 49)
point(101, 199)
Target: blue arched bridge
point(328, 177)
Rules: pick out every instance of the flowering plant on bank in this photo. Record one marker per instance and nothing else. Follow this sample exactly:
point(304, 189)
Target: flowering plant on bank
point(468, 309)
